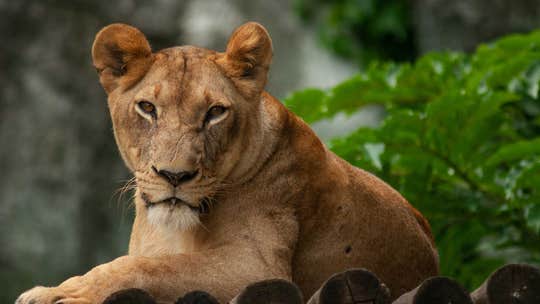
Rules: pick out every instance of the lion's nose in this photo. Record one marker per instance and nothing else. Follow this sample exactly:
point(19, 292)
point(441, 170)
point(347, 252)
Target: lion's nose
point(176, 178)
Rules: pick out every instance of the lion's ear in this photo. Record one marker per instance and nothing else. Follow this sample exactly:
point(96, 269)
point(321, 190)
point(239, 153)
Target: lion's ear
point(248, 57)
point(121, 55)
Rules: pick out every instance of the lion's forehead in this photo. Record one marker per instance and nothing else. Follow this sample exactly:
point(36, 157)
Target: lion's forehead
point(186, 68)
point(183, 59)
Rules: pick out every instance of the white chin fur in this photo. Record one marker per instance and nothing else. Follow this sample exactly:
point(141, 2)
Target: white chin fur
point(179, 217)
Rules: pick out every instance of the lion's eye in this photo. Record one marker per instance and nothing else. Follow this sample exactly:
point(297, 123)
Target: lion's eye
point(214, 112)
point(147, 107)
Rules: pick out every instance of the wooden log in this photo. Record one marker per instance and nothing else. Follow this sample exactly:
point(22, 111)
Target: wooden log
point(436, 290)
point(351, 287)
point(270, 292)
point(197, 297)
point(130, 296)
point(510, 284)
point(139, 296)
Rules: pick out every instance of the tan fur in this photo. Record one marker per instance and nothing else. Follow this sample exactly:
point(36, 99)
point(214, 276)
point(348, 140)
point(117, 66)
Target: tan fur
point(281, 204)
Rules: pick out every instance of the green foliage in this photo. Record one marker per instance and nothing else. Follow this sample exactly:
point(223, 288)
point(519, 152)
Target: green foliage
point(362, 29)
point(460, 140)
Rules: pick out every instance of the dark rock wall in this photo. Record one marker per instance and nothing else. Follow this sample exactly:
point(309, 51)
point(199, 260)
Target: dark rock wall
point(462, 24)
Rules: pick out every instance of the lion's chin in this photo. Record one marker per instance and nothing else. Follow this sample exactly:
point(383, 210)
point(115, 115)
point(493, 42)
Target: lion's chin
point(180, 217)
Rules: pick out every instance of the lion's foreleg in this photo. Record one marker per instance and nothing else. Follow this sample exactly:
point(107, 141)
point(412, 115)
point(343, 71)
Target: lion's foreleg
point(165, 278)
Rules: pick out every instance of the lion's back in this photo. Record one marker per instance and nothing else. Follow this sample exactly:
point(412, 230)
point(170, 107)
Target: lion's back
point(362, 222)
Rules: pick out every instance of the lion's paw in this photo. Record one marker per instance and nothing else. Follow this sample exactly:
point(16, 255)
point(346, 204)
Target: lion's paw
point(39, 295)
point(49, 295)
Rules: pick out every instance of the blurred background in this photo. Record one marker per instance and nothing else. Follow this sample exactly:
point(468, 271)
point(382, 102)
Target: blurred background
point(60, 211)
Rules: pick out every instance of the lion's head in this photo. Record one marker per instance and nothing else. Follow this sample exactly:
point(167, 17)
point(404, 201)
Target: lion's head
point(183, 116)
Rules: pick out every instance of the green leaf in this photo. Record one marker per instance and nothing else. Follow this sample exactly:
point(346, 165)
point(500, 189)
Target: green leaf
point(532, 215)
point(515, 151)
point(308, 104)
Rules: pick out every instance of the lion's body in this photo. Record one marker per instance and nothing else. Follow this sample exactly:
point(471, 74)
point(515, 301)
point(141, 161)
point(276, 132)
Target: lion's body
point(327, 217)
point(285, 206)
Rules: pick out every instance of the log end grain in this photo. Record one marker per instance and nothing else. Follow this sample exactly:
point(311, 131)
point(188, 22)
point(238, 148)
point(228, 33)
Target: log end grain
point(354, 286)
point(270, 291)
point(514, 283)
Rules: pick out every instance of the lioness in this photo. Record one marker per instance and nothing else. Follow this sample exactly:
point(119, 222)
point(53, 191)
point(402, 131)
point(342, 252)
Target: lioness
point(233, 188)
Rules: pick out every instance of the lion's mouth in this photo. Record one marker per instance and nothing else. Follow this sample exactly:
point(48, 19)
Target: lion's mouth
point(173, 202)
